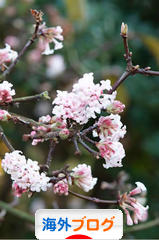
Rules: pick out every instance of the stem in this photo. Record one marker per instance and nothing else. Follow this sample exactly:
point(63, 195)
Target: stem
point(93, 199)
point(6, 141)
point(17, 212)
point(142, 226)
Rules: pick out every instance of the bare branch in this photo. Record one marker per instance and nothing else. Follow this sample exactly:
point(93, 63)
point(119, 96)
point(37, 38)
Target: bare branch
point(93, 199)
point(6, 141)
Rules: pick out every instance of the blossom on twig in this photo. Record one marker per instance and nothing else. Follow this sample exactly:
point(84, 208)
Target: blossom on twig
point(82, 177)
point(7, 55)
point(50, 35)
point(112, 151)
point(6, 92)
point(129, 204)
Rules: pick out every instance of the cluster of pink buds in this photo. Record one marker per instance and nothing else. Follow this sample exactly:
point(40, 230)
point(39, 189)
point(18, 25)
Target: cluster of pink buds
point(116, 107)
point(131, 204)
point(61, 187)
point(4, 115)
point(6, 92)
point(48, 124)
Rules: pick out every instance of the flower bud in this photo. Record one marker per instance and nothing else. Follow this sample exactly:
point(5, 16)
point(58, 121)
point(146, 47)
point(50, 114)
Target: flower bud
point(64, 133)
point(124, 29)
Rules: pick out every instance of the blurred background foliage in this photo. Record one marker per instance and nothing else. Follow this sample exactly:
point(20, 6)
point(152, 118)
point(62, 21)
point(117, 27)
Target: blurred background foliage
point(92, 44)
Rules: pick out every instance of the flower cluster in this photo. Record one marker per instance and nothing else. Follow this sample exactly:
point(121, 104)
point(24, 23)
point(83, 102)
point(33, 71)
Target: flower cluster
point(50, 35)
point(4, 115)
point(6, 92)
point(85, 101)
point(7, 55)
point(24, 173)
point(82, 177)
point(129, 203)
point(110, 130)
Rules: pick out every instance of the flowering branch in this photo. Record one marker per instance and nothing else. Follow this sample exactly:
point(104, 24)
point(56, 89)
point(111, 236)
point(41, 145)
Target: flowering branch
point(38, 17)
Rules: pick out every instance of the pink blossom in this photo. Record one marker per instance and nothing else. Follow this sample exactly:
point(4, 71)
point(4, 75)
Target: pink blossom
point(17, 191)
point(131, 205)
point(4, 115)
point(61, 187)
point(116, 107)
point(84, 102)
point(112, 151)
point(6, 92)
point(111, 127)
point(140, 188)
point(7, 55)
point(50, 35)
point(82, 177)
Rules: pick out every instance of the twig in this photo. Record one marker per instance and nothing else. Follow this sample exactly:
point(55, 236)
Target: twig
point(93, 199)
point(27, 45)
point(6, 141)
point(90, 129)
point(63, 170)
point(89, 140)
point(43, 95)
point(95, 154)
point(143, 226)
point(28, 121)
point(121, 79)
point(77, 150)
point(51, 150)
point(130, 68)
point(17, 212)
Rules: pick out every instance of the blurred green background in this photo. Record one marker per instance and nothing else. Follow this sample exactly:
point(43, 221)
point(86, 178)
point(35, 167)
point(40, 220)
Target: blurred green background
point(92, 44)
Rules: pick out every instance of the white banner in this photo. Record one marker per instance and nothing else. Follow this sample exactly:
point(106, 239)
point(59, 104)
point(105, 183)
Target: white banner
point(79, 224)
